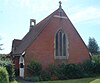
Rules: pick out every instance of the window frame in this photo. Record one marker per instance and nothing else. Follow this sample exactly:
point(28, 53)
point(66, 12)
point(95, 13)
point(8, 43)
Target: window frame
point(57, 50)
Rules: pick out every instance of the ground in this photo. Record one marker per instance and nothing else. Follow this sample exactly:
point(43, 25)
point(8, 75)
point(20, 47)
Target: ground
point(82, 80)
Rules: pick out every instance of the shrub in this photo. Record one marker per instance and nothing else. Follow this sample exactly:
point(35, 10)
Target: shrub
point(16, 72)
point(5, 62)
point(33, 78)
point(34, 68)
point(63, 71)
point(53, 69)
point(88, 68)
point(11, 72)
point(4, 78)
point(73, 71)
point(97, 69)
point(45, 75)
point(67, 71)
point(96, 58)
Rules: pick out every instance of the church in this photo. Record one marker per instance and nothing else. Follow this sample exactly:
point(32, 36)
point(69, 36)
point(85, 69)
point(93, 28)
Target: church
point(54, 40)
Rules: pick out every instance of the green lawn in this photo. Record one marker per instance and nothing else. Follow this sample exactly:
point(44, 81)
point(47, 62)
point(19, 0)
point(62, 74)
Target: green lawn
point(84, 80)
point(15, 81)
point(96, 81)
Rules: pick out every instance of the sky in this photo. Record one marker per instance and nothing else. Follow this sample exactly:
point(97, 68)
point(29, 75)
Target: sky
point(15, 18)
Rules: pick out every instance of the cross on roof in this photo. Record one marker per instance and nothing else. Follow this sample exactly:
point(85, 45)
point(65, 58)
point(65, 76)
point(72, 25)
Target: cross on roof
point(60, 4)
point(60, 8)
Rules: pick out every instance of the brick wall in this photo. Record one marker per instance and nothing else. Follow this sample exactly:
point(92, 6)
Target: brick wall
point(42, 49)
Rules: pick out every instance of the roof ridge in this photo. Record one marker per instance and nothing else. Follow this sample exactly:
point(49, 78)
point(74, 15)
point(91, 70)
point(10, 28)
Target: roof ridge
point(35, 32)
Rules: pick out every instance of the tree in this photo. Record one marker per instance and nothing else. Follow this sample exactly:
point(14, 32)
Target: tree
point(93, 46)
point(0, 46)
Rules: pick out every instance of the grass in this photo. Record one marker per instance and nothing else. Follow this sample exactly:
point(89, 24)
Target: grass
point(15, 81)
point(96, 81)
point(83, 80)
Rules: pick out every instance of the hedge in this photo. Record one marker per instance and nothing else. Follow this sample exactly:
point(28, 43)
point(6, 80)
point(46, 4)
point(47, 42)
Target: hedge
point(7, 63)
point(63, 71)
point(4, 77)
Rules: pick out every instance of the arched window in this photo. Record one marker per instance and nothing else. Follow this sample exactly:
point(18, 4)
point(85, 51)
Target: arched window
point(61, 45)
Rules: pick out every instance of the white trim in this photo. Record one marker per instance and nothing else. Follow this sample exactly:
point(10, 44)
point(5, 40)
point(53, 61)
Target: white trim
point(61, 57)
point(63, 17)
point(21, 70)
point(21, 59)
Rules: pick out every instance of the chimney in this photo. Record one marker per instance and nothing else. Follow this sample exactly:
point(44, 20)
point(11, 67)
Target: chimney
point(32, 23)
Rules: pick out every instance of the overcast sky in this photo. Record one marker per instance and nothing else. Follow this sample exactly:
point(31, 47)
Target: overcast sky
point(15, 16)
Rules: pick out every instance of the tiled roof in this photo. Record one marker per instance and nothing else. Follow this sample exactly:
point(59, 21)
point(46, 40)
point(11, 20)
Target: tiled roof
point(16, 43)
point(33, 33)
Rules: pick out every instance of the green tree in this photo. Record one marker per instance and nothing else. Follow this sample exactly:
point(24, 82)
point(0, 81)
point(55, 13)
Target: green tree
point(93, 46)
point(4, 77)
point(1, 45)
point(7, 63)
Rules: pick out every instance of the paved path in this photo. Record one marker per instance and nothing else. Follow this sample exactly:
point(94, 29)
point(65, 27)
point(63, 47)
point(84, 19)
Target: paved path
point(23, 81)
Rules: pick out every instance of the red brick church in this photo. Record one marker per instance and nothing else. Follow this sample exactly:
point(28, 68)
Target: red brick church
point(53, 40)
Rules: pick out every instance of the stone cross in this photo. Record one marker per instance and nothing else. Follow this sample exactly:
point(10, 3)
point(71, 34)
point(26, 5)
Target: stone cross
point(60, 4)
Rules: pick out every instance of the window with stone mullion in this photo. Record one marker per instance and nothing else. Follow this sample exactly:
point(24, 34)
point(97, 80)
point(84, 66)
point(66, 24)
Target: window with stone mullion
point(60, 43)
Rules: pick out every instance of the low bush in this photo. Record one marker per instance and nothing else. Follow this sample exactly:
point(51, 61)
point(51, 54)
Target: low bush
point(57, 71)
point(34, 68)
point(66, 71)
point(11, 71)
point(45, 75)
point(4, 77)
point(97, 69)
point(88, 68)
point(16, 72)
point(73, 71)
point(53, 69)
point(33, 78)
point(7, 63)
point(96, 58)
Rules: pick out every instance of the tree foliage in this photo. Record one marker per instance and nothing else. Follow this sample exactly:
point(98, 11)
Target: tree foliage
point(1, 45)
point(34, 68)
point(7, 63)
point(4, 77)
point(93, 46)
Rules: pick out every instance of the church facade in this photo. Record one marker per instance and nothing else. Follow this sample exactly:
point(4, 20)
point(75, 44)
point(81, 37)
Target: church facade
point(54, 40)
